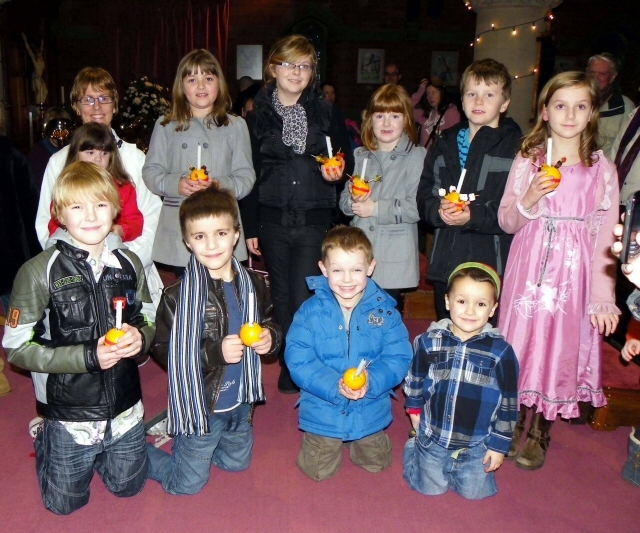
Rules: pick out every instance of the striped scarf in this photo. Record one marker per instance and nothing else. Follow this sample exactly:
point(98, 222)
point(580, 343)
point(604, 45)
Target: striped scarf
point(188, 413)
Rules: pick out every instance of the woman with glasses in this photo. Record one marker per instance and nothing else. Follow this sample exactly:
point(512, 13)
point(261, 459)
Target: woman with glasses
point(95, 99)
point(290, 209)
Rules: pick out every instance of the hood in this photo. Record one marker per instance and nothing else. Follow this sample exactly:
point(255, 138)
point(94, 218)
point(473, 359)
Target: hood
point(443, 327)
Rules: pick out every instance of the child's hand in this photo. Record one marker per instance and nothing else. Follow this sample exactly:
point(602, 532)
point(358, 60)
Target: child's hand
point(630, 350)
point(130, 343)
point(605, 322)
point(187, 186)
point(117, 229)
point(451, 215)
point(263, 346)
point(541, 185)
point(415, 421)
point(351, 394)
point(232, 349)
point(494, 459)
point(334, 173)
point(107, 356)
point(364, 208)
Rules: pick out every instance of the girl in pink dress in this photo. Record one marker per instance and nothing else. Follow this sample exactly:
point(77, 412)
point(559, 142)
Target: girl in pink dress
point(558, 297)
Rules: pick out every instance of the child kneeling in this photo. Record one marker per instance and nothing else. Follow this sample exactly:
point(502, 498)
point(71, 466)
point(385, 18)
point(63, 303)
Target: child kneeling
point(462, 392)
point(350, 318)
point(213, 377)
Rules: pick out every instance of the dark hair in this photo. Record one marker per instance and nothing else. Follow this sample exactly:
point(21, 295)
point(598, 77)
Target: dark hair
point(96, 136)
point(348, 239)
point(488, 71)
point(476, 274)
point(209, 202)
point(444, 99)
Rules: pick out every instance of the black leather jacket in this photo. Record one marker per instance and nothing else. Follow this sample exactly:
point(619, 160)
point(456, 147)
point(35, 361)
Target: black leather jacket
point(214, 331)
point(80, 311)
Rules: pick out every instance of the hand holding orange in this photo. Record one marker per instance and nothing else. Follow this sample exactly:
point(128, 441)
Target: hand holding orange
point(352, 381)
point(113, 336)
point(250, 333)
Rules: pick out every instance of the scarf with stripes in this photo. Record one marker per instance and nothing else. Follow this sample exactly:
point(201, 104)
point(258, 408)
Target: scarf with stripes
point(188, 413)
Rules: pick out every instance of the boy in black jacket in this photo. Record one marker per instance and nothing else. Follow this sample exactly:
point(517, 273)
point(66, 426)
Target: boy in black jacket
point(483, 148)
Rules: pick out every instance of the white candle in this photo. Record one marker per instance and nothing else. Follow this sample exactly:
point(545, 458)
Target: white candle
point(62, 94)
point(461, 180)
point(31, 129)
point(251, 313)
point(549, 147)
point(118, 314)
point(329, 149)
point(199, 158)
point(364, 168)
point(363, 363)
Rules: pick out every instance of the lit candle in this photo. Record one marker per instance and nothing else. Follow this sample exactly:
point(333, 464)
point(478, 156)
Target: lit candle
point(549, 147)
point(364, 168)
point(62, 94)
point(329, 149)
point(461, 180)
point(199, 158)
point(118, 313)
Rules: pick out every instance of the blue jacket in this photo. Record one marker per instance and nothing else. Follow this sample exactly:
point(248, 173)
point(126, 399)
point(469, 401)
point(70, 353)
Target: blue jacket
point(320, 348)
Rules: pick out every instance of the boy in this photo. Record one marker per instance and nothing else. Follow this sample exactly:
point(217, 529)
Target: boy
point(350, 318)
point(213, 378)
point(484, 147)
point(462, 392)
point(87, 391)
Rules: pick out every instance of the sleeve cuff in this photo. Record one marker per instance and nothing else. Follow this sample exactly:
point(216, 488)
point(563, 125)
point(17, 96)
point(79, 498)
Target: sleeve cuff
point(91, 357)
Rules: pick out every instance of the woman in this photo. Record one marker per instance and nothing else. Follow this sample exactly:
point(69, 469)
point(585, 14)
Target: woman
point(291, 206)
point(95, 99)
point(432, 111)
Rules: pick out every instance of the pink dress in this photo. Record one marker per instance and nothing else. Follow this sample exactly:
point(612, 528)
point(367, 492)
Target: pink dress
point(559, 272)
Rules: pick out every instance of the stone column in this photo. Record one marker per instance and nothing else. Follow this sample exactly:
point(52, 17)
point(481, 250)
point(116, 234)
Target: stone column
point(519, 51)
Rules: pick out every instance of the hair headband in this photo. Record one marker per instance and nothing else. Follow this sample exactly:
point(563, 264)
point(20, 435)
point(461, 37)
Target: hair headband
point(485, 268)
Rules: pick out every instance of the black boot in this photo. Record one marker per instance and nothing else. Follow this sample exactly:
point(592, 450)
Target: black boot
point(535, 447)
point(517, 432)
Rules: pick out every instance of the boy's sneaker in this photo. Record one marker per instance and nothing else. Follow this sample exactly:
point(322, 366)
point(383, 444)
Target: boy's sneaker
point(157, 425)
point(35, 426)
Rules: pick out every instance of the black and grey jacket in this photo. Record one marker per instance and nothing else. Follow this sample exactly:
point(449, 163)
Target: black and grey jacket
point(491, 154)
point(58, 312)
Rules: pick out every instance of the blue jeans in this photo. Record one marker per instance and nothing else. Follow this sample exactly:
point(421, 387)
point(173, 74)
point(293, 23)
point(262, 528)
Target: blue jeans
point(430, 469)
point(228, 445)
point(65, 468)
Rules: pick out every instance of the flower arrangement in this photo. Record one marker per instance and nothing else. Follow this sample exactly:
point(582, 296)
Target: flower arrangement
point(142, 104)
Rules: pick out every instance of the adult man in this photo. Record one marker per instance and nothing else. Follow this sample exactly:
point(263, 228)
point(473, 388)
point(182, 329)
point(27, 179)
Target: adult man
point(392, 74)
point(615, 107)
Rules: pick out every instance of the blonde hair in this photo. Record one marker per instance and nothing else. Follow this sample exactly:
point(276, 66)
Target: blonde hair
point(534, 143)
point(488, 71)
point(388, 99)
point(348, 239)
point(180, 111)
point(99, 79)
point(291, 49)
point(84, 181)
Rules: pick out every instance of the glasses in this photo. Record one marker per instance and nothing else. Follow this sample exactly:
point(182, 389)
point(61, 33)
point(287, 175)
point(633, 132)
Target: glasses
point(291, 66)
point(90, 100)
point(391, 74)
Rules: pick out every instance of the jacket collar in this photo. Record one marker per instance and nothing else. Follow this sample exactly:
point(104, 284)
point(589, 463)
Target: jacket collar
point(373, 295)
point(404, 147)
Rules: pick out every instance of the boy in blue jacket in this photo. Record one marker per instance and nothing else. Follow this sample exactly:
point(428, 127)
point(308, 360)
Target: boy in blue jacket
point(350, 318)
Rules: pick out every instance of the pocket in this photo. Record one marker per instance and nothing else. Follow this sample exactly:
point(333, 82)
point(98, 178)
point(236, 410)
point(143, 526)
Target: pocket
point(479, 369)
point(439, 366)
point(74, 308)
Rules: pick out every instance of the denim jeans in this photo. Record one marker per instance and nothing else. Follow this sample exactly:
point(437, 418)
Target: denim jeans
point(228, 445)
point(65, 468)
point(431, 469)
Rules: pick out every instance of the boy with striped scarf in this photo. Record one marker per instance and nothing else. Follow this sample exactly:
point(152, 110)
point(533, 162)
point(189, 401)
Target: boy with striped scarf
point(213, 378)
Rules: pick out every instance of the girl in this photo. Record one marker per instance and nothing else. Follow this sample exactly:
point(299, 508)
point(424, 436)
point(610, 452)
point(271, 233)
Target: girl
point(291, 208)
point(559, 283)
point(432, 111)
point(94, 143)
point(388, 214)
point(198, 123)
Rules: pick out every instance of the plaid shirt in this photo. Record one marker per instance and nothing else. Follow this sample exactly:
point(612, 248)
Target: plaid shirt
point(467, 391)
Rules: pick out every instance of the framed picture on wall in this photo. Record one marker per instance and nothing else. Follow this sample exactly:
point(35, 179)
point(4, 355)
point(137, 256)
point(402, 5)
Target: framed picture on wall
point(370, 65)
point(249, 61)
point(445, 66)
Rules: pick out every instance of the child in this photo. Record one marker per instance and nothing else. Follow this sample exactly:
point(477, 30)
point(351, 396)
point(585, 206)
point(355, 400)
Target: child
point(87, 391)
point(291, 208)
point(559, 283)
point(388, 214)
point(213, 378)
point(482, 147)
point(461, 392)
point(349, 319)
point(198, 123)
point(93, 143)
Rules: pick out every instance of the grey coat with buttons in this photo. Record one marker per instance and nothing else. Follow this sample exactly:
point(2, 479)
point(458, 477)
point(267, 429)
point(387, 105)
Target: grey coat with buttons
point(226, 152)
point(393, 228)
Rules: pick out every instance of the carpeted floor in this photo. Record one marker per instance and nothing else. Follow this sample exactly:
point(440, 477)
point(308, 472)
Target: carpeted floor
point(578, 490)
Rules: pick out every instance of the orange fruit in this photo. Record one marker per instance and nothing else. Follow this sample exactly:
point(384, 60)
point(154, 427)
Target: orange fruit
point(359, 187)
point(553, 173)
point(454, 198)
point(352, 381)
point(250, 333)
point(334, 162)
point(199, 174)
point(112, 337)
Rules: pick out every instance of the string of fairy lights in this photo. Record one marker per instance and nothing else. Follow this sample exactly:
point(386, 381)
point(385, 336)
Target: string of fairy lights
point(513, 28)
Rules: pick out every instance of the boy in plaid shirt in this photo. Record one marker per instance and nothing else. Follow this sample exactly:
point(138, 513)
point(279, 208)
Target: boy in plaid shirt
point(462, 392)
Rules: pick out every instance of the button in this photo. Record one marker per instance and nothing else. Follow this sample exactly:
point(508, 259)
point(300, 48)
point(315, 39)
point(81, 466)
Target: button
point(393, 157)
point(117, 275)
point(371, 228)
point(184, 146)
point(205, 145)
point(380, 311)
point(339, 327)
point(379, 298)
point(389, 312)
point(344, 412)
point(73, 298)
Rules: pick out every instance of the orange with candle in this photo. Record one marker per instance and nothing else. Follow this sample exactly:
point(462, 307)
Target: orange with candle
point(553, 171)
point(114, 334)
